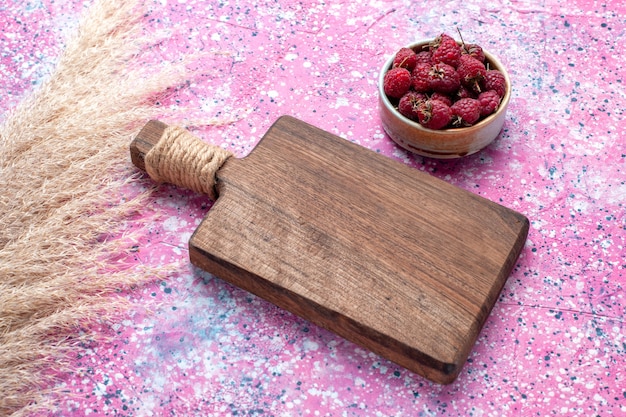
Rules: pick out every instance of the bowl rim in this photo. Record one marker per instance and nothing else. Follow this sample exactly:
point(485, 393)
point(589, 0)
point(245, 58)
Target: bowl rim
point(453, 130)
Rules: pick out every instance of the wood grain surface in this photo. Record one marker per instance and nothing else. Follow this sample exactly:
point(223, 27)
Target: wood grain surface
point(388, 257)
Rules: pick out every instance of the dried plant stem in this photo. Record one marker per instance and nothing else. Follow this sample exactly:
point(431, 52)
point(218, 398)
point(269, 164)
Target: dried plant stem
point(63, 166)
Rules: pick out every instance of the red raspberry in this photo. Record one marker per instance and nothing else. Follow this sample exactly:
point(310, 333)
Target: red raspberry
point(410, 103)
point(444, 78)
point(397, 82)
point(472, 72)
point(434, 114)
point(445, 49)
point(465, 112)
point(494, 80)
point(444, 37)
point(474, 50)
point(424, 56)
point(405, 58)
point(464, 92)
point(441, 97)
point(421, 78)
point(489, 102)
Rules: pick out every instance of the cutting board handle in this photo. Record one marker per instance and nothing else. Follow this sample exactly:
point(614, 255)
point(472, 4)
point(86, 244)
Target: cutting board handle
point(172, 154)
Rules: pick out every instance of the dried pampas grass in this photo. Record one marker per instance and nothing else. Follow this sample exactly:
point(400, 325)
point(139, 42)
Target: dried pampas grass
point(63, 171)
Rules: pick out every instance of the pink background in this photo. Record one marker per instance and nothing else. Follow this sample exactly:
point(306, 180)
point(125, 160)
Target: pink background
point(555, 341)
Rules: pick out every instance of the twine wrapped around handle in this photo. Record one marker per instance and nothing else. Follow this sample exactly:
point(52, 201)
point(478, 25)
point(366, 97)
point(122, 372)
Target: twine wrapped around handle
point(182, 159)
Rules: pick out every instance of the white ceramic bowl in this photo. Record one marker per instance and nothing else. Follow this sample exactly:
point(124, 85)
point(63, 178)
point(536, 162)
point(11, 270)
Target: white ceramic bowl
point(446, 143)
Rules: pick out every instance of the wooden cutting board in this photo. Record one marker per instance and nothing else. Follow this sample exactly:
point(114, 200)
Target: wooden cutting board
point(390, 258)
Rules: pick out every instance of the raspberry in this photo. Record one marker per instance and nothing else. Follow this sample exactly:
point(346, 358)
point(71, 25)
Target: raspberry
point(424, 56)
point(494, 80)
point(434, 114)
point(397, 82)
point(421, 79)
point(445, 49)
point(489, 102)
point(405, 58)
point(443, 38)
point(444, 84)
point(472, 72)
point(465, 112)
point(444, 78)
point(474, 50)
point(464, 92)
point(410, 103)
point(441, 97)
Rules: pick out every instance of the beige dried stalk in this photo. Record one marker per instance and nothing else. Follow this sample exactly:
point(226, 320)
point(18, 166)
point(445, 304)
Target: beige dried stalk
point(63, 171)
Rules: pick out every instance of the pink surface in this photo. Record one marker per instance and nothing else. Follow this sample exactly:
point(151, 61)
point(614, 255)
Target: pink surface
point(555, 341)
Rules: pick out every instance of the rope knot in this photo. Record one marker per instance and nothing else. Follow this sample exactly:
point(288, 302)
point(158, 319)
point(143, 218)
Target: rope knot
point(182, 159)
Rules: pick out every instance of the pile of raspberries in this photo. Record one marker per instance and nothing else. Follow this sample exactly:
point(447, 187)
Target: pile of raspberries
point(445, 84)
